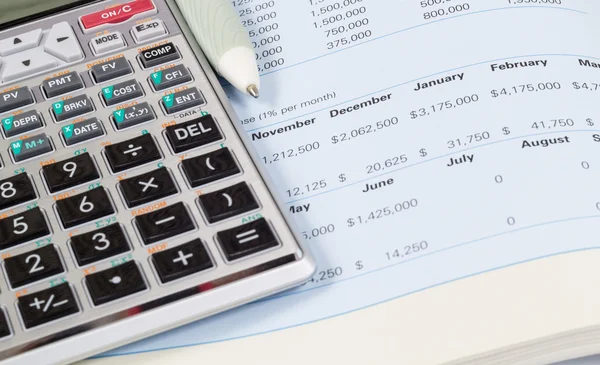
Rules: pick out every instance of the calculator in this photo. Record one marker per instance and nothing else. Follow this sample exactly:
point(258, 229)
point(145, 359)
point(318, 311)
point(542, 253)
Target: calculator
point(129, 203)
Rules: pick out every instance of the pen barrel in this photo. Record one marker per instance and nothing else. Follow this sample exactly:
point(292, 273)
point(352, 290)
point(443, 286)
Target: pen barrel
point(216, 26)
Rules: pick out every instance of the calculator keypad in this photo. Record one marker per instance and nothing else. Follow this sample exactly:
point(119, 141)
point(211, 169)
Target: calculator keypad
point(121, 175)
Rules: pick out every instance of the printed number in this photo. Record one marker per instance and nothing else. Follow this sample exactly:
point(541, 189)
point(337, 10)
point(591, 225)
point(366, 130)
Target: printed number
point(85, 206)
point(101, 238)
point(17, 224)
point(7, 190)
point(35, 267)
point(70, 167)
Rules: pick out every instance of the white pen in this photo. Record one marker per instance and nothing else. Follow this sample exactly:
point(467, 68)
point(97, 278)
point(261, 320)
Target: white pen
point(224, 40)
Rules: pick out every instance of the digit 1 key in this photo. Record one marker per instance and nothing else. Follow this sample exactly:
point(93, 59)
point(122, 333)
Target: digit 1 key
point(23, 227)
point(16, 190)
point(84, 208)
point(69, 173)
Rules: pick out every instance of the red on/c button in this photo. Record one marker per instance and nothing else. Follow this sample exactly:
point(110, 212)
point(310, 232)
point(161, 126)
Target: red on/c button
point(116, 14)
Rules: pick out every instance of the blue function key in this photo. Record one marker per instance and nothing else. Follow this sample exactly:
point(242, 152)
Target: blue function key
point(31, 147)
point(133, 115)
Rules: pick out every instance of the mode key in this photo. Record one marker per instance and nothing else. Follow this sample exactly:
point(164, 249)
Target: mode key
point(111, 70)
point(62, 84)
point(22, 123)
point(158, 55)
point(16, 98)
point(182, 100)
point(72, 108)
point(122, 92)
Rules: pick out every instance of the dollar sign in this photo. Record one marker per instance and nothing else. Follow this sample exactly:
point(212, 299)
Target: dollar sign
point(350, 222)
point(413, 115)
point(494, 93)
point(423, 152)
point(359, 265)
point(590, 122)
point(576, 86)
point(342, 177)
point(506, 131)
point(334, 140)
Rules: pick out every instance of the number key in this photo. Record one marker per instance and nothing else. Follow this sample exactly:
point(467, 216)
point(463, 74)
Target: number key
point(33, 266)
point(23, 227)
point(99, 244)
point(85, 207)
point(16, 190)
point(69, 173)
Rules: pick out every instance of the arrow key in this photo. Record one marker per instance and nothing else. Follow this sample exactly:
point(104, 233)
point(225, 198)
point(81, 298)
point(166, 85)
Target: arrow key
point(27, 63)
point(62, 43)
point(20, 43)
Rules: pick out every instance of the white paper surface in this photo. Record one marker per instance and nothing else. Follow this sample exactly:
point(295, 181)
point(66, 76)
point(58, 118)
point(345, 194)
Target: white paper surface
point(474, 130)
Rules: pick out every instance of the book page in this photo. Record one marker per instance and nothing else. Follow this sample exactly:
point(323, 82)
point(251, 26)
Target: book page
point(417, 143)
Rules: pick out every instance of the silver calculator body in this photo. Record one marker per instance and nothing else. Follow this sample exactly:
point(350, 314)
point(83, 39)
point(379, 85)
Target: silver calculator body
point(129, 204)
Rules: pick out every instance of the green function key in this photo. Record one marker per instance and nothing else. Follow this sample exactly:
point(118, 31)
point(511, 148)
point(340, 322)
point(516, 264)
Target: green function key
point(182, 100)
point(72, 108)
point(122, 92)
point(166, 79)
point(83, 131)
point(31, 147)
point(22, 123)
point(133, 115)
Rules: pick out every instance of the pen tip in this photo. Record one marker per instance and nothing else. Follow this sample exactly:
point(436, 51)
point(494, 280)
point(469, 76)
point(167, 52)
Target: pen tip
point(253, 90)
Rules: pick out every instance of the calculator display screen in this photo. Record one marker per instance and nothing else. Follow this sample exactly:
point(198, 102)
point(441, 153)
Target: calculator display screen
point(13, 12)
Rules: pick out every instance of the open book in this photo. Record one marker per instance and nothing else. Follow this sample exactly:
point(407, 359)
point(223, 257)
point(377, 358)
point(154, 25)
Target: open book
point(442, 161)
